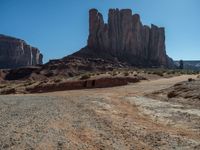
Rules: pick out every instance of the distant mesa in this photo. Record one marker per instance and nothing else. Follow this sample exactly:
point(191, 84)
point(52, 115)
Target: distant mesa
point(16, 53)
point(190, 64)
point(124, 38)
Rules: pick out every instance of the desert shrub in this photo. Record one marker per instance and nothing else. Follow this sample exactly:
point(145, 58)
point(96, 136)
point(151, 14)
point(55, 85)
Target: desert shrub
point(171, 72)
point(171, 94)
point(2, 86)
point(190, 72)
point(190, 79)
point(8, 91)
point(28, 83)
point(92, 74)
point(177, 84)
point(159, 73)
point(85, 76)
point(70, 74)
point(57, 80)
point(149, 72)
point(114, 73)
point(49, 74)
point(126, 73)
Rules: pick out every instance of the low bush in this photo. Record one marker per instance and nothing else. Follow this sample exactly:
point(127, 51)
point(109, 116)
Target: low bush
point(85, 76)
point(70, 74)
point(57, 80)
point(126, 73)
point(171, 94)
point(190, 79)
point(114, 73)
point(159, 73)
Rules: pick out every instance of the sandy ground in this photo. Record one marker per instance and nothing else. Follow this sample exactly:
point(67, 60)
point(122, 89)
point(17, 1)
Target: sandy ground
point(111, 118)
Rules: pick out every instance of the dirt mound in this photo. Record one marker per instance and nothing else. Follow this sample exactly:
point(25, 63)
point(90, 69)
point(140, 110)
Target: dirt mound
point(79, 84)
point(186, 92)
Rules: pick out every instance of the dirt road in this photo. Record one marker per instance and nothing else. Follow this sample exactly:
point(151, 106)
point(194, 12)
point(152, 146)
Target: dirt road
point(111, 118)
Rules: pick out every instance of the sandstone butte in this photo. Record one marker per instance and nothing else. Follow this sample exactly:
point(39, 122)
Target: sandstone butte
point(124, 38)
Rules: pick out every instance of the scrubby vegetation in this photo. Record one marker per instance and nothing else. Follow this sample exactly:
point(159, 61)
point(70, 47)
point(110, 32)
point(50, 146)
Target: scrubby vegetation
point(190, 80)
point(162, 72)
point(85, 76)
point(114, 73)
point(126, 73)
point(171, 94)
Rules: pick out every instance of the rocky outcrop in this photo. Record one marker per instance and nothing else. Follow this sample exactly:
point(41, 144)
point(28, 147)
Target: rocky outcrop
point(65, 67)
point(16, 53)
point(126, 39)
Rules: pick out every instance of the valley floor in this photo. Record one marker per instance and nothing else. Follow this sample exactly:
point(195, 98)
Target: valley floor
point(109, 118)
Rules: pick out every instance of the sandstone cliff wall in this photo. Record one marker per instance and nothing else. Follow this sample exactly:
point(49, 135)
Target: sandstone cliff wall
point(16, 53)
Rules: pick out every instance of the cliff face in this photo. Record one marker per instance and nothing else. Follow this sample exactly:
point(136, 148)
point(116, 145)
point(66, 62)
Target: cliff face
point(126, 39)
point(16, 53)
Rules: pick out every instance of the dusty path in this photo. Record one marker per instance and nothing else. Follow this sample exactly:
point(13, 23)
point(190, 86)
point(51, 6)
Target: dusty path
point(111, 118)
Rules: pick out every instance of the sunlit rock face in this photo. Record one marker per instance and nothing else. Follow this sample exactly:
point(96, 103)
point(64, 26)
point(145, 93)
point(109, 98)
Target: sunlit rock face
point(125, 38)
point(16, 53)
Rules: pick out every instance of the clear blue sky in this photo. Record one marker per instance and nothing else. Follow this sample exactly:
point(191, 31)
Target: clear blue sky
point(60, 27)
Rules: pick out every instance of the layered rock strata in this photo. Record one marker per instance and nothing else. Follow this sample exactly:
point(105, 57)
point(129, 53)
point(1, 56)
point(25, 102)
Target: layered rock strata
point(125, 38)
point(16, 53)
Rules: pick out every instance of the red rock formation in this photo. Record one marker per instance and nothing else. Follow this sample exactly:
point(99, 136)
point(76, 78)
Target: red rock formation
point(83, 84)
point(16, 53)
point(126, 39)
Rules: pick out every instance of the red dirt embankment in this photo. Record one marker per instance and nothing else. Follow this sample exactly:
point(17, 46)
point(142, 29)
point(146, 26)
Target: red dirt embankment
point(83, 84)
